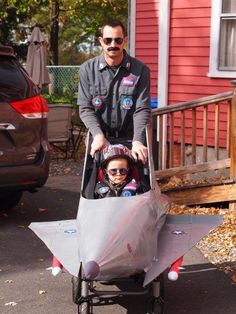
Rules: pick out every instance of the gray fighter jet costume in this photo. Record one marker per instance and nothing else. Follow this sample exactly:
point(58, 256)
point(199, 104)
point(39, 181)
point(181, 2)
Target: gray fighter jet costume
point(115, 101)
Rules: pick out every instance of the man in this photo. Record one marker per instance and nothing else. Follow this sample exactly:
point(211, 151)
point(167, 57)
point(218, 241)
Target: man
point(114, 93)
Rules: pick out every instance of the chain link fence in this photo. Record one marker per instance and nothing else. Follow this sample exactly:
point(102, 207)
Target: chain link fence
point(64, 79)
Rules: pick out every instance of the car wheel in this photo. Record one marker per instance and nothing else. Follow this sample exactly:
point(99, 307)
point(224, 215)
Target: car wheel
point(10, 200)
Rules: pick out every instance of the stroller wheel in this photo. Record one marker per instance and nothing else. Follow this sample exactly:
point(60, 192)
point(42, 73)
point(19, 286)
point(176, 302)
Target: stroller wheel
point(84, 308)
point(156, 304)
point(157, 307)
point(84, 304)
point(76, 289)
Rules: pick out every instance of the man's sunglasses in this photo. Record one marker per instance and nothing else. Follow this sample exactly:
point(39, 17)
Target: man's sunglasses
point(108, 40)
point(121, 171)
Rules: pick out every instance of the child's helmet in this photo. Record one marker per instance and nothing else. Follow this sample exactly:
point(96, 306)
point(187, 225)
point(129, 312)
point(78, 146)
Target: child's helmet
point(115, 151)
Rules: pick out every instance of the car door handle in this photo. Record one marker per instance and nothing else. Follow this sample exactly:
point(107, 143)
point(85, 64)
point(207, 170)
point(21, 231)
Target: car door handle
point(7, 126)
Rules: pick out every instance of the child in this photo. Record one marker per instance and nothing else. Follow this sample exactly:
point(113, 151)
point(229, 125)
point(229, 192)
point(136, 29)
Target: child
point(116, 164)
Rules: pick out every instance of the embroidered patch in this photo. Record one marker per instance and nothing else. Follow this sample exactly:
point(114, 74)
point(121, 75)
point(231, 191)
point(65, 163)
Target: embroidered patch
point(103, 190)
point(127, 103)
point(177, 232)
point(126, 193)
point(97, 102)
point(101, 66)
point(133, 185)
point(70, 231)
point(128, 65)
point(128, 81)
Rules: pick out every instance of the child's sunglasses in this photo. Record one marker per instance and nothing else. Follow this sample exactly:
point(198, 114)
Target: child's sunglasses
point(108, 40)
point(121, 171)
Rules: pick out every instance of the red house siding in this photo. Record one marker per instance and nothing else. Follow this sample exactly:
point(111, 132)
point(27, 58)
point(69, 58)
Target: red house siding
point(146, 44)
point(189, 50)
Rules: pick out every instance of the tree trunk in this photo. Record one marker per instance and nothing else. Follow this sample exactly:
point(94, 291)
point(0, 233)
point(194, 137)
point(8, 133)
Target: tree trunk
point(54, 32)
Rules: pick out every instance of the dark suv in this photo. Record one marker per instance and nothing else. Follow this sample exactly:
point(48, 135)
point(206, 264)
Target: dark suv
point(24, 149)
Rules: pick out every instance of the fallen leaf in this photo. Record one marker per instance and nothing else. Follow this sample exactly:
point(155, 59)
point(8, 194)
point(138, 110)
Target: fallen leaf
point(22, 212)
point(67, 170)
point(234, 278)
point(20, 226)
point(41, 210)
point(12, 303)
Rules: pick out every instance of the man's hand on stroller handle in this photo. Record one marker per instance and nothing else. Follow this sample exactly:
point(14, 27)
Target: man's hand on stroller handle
point(99, 142)
point(139, 151)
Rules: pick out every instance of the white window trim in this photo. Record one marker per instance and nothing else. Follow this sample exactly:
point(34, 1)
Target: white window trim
point(214, 43)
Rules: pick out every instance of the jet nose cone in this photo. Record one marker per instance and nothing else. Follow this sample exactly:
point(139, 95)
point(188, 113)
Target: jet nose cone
point(91, 270)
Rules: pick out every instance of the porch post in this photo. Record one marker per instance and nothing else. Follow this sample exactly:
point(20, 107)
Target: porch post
point(232, 205)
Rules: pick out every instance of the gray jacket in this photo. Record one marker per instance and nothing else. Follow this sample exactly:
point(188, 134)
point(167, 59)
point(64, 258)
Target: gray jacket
point(115, 100)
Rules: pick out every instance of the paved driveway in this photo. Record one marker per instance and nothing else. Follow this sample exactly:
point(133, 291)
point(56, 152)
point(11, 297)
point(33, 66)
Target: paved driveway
point(26, 287)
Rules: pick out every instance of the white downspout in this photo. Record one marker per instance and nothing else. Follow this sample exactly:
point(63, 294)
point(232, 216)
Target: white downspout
point(163, 51)
point(132, 27)
point(163, 62)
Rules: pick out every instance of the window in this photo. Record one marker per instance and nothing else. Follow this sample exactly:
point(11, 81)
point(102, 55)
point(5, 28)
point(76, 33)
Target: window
point(223, 39)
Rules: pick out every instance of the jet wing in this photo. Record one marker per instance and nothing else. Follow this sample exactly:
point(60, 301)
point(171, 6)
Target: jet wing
point(61, 237)
point(178, 235)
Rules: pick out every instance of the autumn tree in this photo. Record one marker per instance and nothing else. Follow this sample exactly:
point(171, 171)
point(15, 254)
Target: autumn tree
point(67, 23)
point(78, 22)
point(15, 12)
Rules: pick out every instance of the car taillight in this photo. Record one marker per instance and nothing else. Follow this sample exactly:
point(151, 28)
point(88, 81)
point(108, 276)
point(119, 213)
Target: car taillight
point(31, 108)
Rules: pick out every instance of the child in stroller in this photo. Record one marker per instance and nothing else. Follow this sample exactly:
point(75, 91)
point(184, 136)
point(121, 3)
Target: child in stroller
point(117, 166)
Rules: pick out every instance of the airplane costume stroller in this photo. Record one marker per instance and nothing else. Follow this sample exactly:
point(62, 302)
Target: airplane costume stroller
point(122, 238)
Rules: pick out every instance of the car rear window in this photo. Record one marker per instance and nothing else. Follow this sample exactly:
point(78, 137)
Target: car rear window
point(14, 82)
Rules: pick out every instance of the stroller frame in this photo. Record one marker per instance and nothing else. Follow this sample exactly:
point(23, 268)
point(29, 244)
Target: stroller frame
point(85, 291)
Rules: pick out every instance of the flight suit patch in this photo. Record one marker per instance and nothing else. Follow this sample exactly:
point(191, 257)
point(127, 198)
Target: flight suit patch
point(127, 193)
point(97, 102)
point(127, 102)
point(103, 190)
point(128, 81)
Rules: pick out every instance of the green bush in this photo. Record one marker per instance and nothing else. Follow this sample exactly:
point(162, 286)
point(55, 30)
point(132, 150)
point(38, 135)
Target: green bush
point(60, 99)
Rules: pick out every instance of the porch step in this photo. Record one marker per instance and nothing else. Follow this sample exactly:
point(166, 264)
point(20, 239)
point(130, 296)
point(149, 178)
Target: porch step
point(205, 193)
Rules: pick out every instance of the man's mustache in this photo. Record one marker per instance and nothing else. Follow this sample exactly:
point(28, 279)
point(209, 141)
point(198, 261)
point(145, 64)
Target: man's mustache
point(113, 49)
